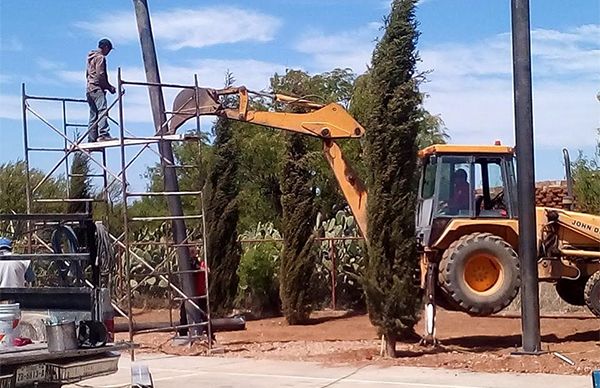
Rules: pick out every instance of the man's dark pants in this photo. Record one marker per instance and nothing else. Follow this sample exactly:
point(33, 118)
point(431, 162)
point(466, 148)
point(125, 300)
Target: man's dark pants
point(98, 124)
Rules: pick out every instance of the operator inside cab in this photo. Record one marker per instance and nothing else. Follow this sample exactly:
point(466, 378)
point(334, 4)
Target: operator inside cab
point(460, 195)
point(13, 273)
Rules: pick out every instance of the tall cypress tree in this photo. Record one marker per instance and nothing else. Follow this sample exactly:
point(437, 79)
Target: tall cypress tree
point(79, 184)
point(222, 214)
point(299, 257)
point(391, 287)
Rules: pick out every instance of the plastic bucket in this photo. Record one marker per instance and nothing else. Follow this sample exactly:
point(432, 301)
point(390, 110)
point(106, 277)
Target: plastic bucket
point(10, 315)
point(14, 309)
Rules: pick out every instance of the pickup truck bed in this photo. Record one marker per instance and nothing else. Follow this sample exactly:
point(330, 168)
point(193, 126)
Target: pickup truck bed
point(22, 367)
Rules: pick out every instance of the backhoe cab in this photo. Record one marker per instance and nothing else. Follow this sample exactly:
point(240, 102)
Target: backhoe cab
point(467, 231)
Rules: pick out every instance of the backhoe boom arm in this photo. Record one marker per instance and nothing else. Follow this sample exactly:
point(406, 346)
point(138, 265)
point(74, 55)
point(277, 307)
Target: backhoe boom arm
point(325, 121)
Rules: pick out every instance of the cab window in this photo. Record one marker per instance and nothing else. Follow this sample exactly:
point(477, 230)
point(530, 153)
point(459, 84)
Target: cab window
point(454, 186)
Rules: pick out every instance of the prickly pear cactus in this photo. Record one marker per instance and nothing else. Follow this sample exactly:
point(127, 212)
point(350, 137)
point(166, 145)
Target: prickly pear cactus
point(348, 256)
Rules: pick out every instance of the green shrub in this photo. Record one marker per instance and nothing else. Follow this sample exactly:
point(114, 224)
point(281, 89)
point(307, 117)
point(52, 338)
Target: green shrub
point(586, 176)
point(258, 289)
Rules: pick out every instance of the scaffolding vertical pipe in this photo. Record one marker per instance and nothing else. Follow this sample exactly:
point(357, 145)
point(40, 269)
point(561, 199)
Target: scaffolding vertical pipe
point(206, 269)
point(65, 132)
point(27, 175)
point(196, 103)
point(165, 148)
point(333, 252)
point(523, 105)
point(125, 216)
point(105, 193)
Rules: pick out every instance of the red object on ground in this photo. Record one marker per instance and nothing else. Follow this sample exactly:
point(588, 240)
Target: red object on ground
point(20, 341)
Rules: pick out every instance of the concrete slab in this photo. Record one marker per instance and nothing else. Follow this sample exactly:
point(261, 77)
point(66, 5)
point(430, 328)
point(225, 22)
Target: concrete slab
point(184, 372)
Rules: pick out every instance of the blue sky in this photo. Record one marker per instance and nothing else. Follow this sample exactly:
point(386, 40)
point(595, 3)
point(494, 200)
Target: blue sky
point(464, 43)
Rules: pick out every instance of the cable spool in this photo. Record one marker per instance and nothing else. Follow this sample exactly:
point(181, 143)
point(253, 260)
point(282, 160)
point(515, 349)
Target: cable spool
point(66, 234)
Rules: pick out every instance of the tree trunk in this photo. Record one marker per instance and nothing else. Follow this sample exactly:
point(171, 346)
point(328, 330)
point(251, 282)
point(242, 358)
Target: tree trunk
point(390, 346)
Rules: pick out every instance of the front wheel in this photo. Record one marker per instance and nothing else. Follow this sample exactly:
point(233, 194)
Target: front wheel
point(480, 272)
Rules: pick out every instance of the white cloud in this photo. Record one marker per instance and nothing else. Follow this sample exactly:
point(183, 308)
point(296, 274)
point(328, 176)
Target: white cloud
point(471, 87)
point(196, 28)
point(5, 78)
point(351, 49)
point(46, 64)
point(574, 53)
point(11, 44)
point(10, 106)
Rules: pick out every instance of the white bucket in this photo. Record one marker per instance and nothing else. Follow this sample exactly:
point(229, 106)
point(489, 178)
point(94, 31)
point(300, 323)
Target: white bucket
point(10, 315)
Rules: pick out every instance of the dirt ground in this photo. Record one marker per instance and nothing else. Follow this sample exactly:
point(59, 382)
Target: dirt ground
point(337, 337)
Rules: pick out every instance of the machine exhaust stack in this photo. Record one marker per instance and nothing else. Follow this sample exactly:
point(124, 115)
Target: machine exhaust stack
point(568, 200)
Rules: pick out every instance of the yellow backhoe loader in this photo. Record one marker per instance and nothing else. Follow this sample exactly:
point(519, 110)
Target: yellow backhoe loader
point(466, 216)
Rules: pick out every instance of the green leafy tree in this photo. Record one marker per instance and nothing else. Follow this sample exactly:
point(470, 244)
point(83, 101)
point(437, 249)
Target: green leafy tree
point(13, 198)
point(393, 295)
point(262, 152)
point(586, 177)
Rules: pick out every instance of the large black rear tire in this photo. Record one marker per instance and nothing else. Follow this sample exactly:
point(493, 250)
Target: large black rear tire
point(592, 293)
point(480, 273)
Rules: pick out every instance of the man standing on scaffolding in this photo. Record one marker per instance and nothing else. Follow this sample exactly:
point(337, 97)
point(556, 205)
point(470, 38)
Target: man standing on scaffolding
point(97, 85)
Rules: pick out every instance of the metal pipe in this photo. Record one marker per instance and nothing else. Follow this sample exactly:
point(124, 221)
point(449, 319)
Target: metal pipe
point(162, 194)
point(170, 177)
point(159, 84)
point(333, 274)
point(66, 133)
point(40, 98)
point(579, 253)
point(523, 102)
point(205, 258)
point(55, 200)
point(166, 218)
point(27, 175)
point(127, 253)
point(568, 200)
point(48, 257)
point(44, 149)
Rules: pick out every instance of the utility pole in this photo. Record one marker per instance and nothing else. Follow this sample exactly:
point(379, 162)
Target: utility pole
point(523, 100)
point(165, 149)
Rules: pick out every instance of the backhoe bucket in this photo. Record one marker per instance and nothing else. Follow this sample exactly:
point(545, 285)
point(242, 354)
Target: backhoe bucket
point(190, 103)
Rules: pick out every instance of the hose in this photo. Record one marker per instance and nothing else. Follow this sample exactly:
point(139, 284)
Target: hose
point(66, 267)
point(105, 255)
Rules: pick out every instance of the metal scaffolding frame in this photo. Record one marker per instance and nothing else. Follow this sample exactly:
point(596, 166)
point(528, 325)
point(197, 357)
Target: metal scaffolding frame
point(125, 243)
